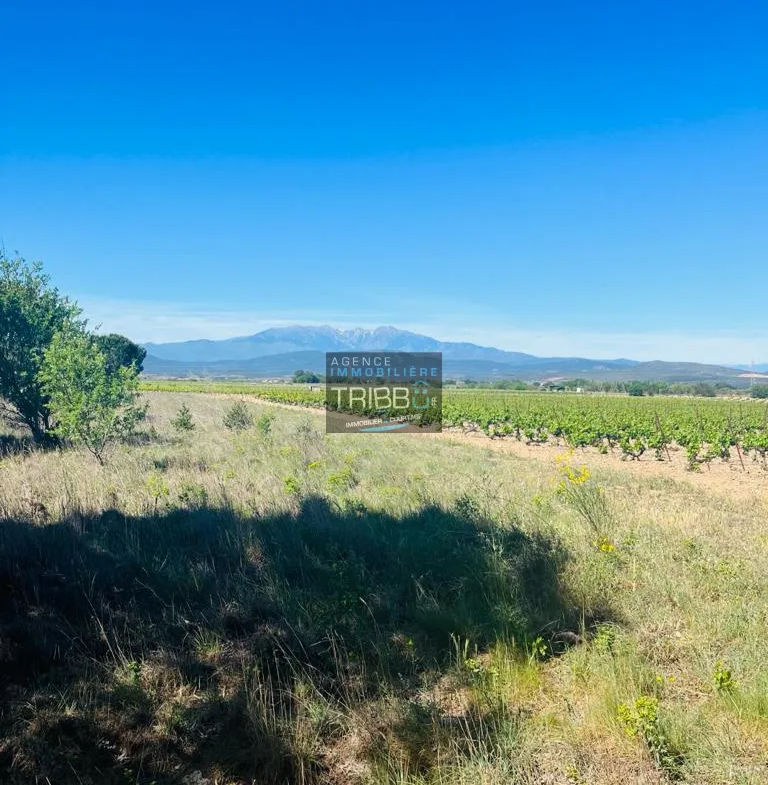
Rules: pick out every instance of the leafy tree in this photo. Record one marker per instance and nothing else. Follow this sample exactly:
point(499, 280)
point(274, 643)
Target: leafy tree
point(121, 352)
point(183, 420)
point(305, 377)
point(91, 405)
point(31, 313)
point(238, 418)
point(760, 391)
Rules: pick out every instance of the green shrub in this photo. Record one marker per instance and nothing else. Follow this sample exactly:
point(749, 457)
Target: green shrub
point(723, 677)
point(342, 479)
point(183, 420)
point(641, 719)
point(291, 486)
point(157, 487)
point(238, 418)
point(264, 423)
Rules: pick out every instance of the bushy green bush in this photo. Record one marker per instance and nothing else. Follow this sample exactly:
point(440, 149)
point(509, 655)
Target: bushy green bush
point(237, 417)
point(183, 420)
point(264, 423)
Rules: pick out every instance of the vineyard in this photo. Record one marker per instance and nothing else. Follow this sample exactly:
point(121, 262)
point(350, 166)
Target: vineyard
point(706, 429)
point(633, 427)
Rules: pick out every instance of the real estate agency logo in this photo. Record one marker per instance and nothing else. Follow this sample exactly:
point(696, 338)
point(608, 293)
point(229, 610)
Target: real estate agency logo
point(383, 392)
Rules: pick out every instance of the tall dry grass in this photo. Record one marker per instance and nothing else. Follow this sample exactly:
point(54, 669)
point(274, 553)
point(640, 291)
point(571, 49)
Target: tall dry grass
point(279, 605)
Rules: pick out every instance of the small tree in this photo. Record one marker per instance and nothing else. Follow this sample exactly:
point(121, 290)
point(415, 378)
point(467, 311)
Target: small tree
point(760, 391)
point(121, 352)
point(183, 420)
point(31, 312)
point(264, 423)
point(238, 418)
point(91, 406)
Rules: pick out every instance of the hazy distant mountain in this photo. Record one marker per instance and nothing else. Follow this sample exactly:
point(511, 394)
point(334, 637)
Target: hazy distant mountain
point(281, 340)
point(278, 352)
point(757, 367)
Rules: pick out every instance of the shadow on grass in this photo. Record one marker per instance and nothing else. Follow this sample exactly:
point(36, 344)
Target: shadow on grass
point(104, 621)
point(13, 444)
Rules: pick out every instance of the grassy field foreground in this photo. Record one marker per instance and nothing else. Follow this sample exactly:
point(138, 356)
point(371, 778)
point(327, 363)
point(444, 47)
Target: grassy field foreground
point(282, 606)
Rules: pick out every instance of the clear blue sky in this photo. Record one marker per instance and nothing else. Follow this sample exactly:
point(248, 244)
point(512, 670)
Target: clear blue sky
point(561, 178)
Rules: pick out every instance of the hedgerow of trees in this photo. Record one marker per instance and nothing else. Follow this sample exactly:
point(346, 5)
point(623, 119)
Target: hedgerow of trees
point(305, 377)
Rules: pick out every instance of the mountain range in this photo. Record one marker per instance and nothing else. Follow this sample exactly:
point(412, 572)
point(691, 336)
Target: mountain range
point(279, 351)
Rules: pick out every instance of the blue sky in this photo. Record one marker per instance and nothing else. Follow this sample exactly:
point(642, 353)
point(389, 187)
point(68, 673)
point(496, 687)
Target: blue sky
point(556, 178)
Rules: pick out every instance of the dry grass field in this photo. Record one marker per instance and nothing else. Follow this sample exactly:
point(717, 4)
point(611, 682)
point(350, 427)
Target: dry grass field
point(283, 606)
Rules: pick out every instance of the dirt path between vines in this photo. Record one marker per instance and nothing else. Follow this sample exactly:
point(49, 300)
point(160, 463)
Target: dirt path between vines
point(723, 477)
